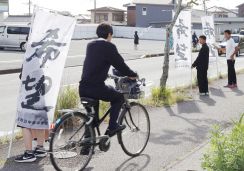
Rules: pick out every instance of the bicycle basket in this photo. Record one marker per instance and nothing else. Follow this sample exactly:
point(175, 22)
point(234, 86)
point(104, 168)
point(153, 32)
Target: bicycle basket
point(130, 88)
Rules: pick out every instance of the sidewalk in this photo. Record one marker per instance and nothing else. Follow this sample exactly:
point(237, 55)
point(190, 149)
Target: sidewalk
point(178, 136)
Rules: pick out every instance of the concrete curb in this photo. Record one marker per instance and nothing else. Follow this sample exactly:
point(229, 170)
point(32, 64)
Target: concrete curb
point(10, 71)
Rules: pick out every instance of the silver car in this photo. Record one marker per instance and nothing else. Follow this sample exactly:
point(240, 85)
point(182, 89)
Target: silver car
point(14, 36)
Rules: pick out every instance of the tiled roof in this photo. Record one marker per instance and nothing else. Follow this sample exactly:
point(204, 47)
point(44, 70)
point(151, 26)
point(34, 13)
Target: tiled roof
point(154, 2)
point(106, 9)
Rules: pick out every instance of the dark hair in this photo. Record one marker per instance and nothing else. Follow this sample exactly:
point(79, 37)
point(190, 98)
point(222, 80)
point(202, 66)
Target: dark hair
point(103, 30)
point(227, 31)
point(203, 37)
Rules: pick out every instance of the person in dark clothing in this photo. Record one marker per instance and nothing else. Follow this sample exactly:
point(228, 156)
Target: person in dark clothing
point(101, 54)
point(194, 40)
point(136, 40)
point(201, 64)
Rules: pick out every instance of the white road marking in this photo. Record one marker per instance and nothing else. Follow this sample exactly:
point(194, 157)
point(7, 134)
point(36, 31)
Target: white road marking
point(15, 61)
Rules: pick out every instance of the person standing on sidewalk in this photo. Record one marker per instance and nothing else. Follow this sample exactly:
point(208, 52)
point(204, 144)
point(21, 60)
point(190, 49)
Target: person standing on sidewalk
point(136, 40)
point(32, 153)
point(201, 64)
point(230, 57)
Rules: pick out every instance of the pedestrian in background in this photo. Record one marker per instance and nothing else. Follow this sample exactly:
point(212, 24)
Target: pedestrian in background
point(194, 40)
point(231, 51)
point(201, 64)
point(136, 40)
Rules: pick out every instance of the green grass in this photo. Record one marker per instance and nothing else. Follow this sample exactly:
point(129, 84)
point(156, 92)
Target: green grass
point(6, 139)
point(67, 99)
point(226, 151)
point(164, 97)
point(103, 108)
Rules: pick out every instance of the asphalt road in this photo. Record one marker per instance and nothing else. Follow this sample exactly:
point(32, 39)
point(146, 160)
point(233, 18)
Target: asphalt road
point(149, 68)
point(12, 58)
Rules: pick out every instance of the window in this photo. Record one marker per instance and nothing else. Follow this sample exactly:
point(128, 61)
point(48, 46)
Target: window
point(101, 17)
point(144, 11)
point(25, 30)
point(118, 17)
point(18, 30)
point(2, 28)
point(13, 30)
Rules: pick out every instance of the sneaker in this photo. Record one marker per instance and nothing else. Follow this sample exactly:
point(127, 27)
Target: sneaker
point(117, 129)
point(46, 145)
point(86, 150)
point(40, 152)
point(235, 86)
point(229, 86)
point(202, 94)
point(27, 157)
point(86, 147)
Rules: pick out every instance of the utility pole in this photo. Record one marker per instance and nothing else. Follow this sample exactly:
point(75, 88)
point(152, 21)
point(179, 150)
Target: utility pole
point(95, 10)
point(205, 7)
point(29, 7)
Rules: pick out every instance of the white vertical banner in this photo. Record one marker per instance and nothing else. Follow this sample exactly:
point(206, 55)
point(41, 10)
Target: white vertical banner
point(182, 40)
point(209, 32)
point(43, 66)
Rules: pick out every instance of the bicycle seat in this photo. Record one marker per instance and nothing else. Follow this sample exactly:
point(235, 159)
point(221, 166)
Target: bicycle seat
point(88, 101)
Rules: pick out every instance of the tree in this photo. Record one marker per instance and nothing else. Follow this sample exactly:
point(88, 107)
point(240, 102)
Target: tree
point(169, 28)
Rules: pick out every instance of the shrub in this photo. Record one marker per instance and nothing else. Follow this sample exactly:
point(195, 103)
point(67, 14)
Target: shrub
point(164, 96)
point(68, 99)
point(226, 152)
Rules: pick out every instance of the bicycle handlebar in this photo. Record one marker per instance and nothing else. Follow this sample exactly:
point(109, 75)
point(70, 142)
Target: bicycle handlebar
point(141, 81)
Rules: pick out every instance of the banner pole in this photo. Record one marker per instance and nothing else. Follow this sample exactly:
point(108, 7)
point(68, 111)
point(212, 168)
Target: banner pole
point(191, 78)
point(12, 137)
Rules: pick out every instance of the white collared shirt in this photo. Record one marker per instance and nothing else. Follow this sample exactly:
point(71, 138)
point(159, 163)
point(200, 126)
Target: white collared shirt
point(230, 48)
point(101, 39)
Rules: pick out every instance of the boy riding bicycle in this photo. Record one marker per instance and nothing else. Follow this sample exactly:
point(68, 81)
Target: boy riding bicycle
point(101, 54)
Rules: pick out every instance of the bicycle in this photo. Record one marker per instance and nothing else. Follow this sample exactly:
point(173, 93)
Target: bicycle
point(67, 138)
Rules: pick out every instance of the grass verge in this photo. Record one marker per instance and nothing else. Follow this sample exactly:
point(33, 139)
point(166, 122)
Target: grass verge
point(165, 97)
point(226, 151)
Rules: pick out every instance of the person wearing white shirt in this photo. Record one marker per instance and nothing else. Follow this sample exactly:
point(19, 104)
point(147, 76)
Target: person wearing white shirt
point(230, 57)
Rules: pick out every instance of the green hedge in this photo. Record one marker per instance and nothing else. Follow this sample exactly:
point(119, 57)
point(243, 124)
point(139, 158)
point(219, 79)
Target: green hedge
point(226, 152)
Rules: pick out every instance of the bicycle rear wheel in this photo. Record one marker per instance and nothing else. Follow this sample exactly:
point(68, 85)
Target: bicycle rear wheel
point(67, 141)
point(134, 138)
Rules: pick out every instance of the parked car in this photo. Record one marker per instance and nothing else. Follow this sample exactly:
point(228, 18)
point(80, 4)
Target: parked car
point(239, 40)
point(14, 36)
point(242, 32)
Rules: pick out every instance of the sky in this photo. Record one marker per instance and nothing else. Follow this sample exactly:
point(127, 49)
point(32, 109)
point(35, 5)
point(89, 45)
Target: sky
point(18, 7)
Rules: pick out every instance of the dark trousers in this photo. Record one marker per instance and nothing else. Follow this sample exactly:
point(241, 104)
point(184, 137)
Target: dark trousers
point(202, 79)
point(231, 72)
point(104, 93)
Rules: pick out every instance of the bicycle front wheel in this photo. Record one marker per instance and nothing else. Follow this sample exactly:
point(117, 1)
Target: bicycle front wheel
point(68, 142)
point(134, 138)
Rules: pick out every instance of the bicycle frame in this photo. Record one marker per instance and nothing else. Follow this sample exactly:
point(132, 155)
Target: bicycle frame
point(100, 121)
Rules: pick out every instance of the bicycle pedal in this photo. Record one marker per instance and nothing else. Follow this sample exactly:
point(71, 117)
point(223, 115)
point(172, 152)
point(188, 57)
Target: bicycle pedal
point(102, 138)
point(104, 144)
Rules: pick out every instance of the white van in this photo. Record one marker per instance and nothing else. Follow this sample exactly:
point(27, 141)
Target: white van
point(14, 36)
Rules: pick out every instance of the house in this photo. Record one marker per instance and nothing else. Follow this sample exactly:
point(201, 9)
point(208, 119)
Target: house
point(83, 19)
point(108, 14)
point(220, 12)
point(146, 13)
point(241, 10)
point(226, 19)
